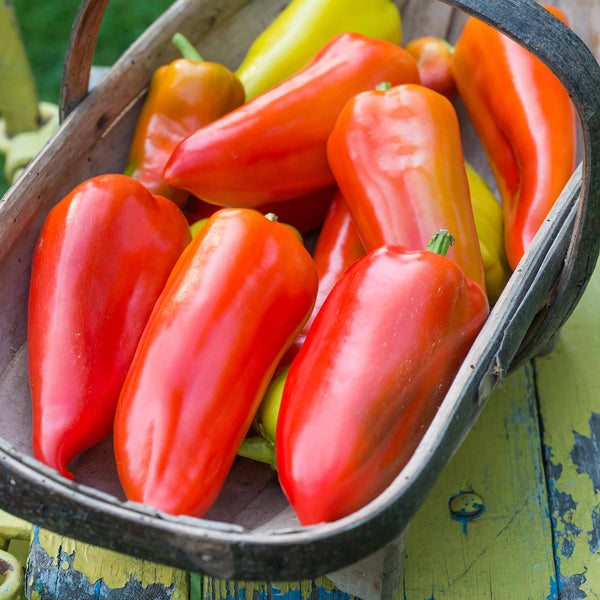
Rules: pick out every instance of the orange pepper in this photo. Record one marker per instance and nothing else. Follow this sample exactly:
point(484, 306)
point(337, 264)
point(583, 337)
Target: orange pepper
point(434, 59)
point(274, 147)
point(526, 123)
point(183, 97)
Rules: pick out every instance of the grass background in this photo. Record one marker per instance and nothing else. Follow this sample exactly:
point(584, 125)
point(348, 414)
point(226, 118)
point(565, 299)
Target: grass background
point(46, 26)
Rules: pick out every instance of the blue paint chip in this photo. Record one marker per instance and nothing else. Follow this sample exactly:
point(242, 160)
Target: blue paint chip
point(553, 595)
point(465, 506)
point(586, 450)
point(594, 533)
point(567, 547)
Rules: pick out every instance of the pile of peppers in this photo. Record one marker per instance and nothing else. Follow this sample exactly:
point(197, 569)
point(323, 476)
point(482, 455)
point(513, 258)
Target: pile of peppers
point(193, 346)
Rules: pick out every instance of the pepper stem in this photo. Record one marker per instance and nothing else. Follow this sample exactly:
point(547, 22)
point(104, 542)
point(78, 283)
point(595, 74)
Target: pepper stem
point(185, 47)
point(383, 86)
point(260, 449)
point(272, 217)
point(440, 242)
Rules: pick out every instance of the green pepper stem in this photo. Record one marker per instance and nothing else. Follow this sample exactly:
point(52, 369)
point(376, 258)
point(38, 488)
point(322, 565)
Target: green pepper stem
point(185, 47)
point(260, 449)
point(440, 242)
point(383, 86)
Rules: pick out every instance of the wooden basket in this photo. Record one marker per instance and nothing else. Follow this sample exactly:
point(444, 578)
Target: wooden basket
point(249, 533)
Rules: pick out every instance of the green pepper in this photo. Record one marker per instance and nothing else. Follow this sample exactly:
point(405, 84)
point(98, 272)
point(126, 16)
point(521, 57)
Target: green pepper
point(303, 28)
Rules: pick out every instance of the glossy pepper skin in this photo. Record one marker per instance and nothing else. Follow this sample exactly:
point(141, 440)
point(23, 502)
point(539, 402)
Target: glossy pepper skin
point(233, 303)
point(489, 223)
point(338, 248)
point(434, 58)
point(526, 123)
point(274, 147)
point(183, 96)
point(370, 376)
point(397, 158)
point(303, 28)
point(101, 261)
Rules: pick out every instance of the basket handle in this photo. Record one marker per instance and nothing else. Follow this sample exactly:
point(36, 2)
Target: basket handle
point(551, 41)
point(572, 62)
point(80, 54)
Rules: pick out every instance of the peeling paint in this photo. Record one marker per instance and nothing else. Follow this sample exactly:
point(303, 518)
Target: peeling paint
point(567, 547)
point(465, 506)
point(594, 533)
point(586, 451)
point(553, 595)
point(320, 588)
point(553, 470)
point(569, 587)
point(563, 506)
point(50, 577)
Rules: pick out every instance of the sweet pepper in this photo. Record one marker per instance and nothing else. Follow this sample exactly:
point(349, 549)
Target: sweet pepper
point(526, 123)
point(235, 300)
point(101, 261)
point(303, 28)
point(338, 248)
point(305, 213)
point(397, 157)
point(358, 399)
point(489, 222)
point(274, 147)
point(183, 96)
point(434, 58)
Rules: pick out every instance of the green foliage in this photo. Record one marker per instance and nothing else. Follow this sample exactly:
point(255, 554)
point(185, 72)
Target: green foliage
point(46, 27)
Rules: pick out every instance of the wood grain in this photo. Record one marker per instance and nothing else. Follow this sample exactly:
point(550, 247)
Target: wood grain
point(78, 63)
point(569, 395)
point(60, 568)
point(506, 551)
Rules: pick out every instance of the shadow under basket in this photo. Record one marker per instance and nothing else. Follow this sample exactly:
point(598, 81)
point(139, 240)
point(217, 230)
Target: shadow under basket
point(251, 532)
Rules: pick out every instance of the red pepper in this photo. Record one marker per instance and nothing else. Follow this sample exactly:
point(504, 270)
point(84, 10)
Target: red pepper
point(434, 58)
point(526, 123)
point(370, 376)
point(273, 147)
point(195, 209)
point(235, 301)
point(305, 214)
point(101, 261)
point(183, 97)
point(338, 248)
point(397, 158)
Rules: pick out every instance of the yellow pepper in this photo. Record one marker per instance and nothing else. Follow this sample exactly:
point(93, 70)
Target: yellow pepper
point(303, 28)
point(262, 447)
point(489, 224)
point(268, 411)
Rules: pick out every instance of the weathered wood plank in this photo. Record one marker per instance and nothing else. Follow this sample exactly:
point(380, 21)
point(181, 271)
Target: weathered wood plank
point(569, 395)
point(59, 567)
point(506, 551)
